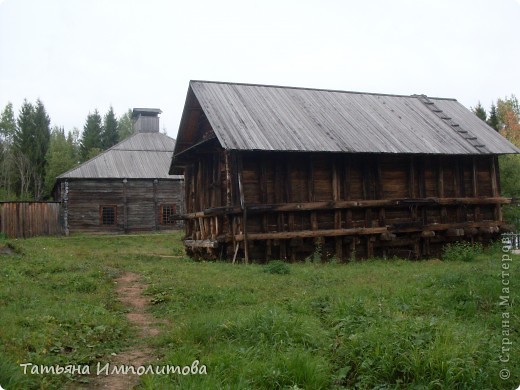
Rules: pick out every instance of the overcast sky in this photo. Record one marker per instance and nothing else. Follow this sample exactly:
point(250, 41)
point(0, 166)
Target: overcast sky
point(78, 55)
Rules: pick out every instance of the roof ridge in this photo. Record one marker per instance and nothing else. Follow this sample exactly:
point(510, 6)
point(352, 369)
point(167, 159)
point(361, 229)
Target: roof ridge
point(154, 134)
point(315, 89)
point(142, 150)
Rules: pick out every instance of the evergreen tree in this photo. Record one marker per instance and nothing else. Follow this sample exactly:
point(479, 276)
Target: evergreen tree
point(61, 156)
point(109, 136)
point(91, 138)
point(493, 118)
point(75, 143)
point(7, 167)
point(24, 140)
point(7, 123)
point(24, 135)
point(126, 125)
point(480, 111)
point(42, 137)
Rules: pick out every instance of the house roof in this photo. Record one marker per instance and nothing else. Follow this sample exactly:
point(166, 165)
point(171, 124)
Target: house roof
point(275, 118)
point(141, 156)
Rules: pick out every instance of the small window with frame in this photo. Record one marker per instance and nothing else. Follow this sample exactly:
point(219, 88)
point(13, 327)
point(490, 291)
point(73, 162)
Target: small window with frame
point(108, 215)
point(167, 214)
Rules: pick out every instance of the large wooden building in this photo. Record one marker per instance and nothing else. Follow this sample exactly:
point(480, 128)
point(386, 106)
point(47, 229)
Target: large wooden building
point(281, 173)
point(126, 188)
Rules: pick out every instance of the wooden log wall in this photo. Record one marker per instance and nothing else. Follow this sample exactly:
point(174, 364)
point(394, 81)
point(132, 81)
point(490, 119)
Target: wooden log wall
point(261, 206)
point(138, 203)
point(29, 219)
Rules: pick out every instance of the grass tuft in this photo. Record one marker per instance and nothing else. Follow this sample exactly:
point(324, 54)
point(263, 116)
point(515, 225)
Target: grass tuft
point(277, 267)
point(461, 251)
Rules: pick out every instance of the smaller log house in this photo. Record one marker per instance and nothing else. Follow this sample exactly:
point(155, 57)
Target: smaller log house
point(281, 173)
point(126, 188)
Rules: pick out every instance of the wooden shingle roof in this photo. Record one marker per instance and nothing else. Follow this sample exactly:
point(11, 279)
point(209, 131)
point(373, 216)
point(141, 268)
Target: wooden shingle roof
point(141, 156)
point(274, 118)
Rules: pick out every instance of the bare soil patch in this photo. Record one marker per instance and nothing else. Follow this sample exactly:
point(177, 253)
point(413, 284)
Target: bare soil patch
point(6, 250)
point(130, 292)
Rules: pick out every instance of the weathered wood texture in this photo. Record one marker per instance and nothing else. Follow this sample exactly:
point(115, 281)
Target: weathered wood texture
point(350, 205)
point(29, 219)
point(138, 204)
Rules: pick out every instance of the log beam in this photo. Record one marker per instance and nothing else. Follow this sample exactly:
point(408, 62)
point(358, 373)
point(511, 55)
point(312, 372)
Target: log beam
point(201, 243)
point(311, 233)
point(346, 204)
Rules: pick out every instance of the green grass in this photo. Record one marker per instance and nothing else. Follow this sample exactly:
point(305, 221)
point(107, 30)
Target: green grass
point(385, 324)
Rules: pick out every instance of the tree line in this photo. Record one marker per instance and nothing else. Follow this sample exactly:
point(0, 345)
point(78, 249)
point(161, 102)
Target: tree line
point(32, 153)
point(504, 117)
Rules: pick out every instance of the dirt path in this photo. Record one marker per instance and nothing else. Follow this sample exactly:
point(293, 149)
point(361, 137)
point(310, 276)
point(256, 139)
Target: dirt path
point(130, 292)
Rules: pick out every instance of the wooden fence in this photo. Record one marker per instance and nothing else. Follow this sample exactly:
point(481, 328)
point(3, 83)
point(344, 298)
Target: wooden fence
point(514, 240)
point(29, 219)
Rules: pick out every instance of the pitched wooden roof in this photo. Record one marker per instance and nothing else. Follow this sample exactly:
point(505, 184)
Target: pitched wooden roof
point(141, 156)
point(274, 118)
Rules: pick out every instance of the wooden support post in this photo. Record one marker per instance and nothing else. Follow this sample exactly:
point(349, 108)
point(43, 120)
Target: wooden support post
point(290, 225)
point(268, 250)
point(495, 159)
point(370, 247)
point(199, 192)
point(235, 254)
point(379, 185)
point(314, 218)
point(263, 183)
point(417, 248)
point(155, 205)
point(353, 248)
point(421, 166)
point(264, 200)
point(125, 206)
point(336, 194)
point(440, 178)
point(380, 194)
point(474, 177)
point(475, 188)
point(459, 189)
point(495, 187)
point(440, 188)
point(382, 217)
point(231, 221)
point(346, 177)
point(286, 180)
point(347, 185)
point(288, 197)
point(279, 190)
point(367, 179)
point(228, 178)
point(215, 182)
point(310, 179)
point(244, 208)
point(411, 177)
point(411, 187)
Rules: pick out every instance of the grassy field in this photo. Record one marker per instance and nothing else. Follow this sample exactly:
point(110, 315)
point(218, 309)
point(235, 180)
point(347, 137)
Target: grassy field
point(381, 324)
